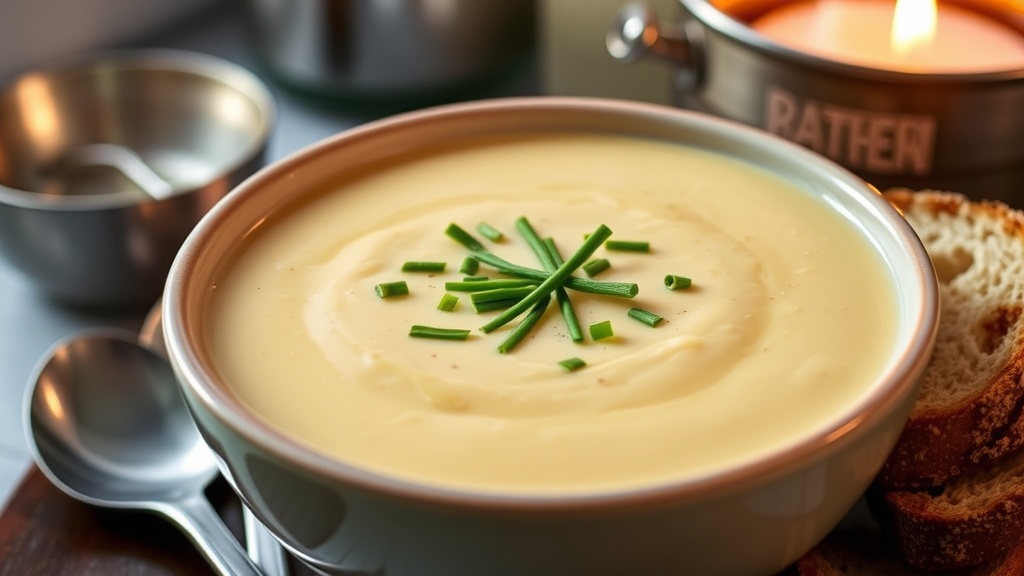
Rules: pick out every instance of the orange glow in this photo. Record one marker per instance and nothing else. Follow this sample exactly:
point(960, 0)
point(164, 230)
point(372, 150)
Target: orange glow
point(913, 25)
point(53, 402)
point(36, 99)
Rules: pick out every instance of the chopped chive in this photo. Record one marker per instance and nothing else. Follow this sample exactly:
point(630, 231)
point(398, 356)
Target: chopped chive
point(601, 330)
point(501, 294)
point(456, 233)
point(417, 331)
point(391, 289)
point(481, 307)
point(673, 282)
point(448, 302)
point(489, 232)
point(649, 318)
point(596, 266)
point(572, 322)
point(572, 364)
point(617, 289)
point(525, 326)
point(475, 278)
point(487, 284)
point(423, 267)
point(469, 266)
point(627, 246)
point(550, 259)
point(553, 280)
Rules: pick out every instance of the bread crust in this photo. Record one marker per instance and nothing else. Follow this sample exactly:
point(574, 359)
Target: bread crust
point(943, 442)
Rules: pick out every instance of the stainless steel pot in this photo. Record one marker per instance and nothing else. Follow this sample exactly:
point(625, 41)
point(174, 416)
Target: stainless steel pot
point(398, 48)
point(961, 132)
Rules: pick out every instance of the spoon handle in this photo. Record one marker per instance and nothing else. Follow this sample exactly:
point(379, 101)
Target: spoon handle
point(201, 523)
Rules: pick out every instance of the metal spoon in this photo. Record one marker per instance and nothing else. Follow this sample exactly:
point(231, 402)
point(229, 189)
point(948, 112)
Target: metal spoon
point(108, 426)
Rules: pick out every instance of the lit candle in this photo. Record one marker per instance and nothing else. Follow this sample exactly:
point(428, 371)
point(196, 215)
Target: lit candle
point(921, 38)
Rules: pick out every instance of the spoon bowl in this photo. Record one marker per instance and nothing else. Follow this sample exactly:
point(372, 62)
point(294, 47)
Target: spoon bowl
point(108, 426)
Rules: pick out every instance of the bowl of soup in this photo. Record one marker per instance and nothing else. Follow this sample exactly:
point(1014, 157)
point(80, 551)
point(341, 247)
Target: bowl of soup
point(551, 336)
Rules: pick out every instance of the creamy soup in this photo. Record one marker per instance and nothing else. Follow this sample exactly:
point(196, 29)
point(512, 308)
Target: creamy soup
point(788, 320)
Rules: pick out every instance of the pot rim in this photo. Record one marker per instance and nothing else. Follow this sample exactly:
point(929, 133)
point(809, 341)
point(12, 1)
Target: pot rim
point(145, 60)
point(184, 297)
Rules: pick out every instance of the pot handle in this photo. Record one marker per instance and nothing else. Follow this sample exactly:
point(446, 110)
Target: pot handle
point(636, 32)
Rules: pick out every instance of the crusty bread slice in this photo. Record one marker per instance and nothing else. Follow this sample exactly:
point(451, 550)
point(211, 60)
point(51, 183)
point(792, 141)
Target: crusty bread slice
point(970, 408)
point(974, 518)
point(862, 551)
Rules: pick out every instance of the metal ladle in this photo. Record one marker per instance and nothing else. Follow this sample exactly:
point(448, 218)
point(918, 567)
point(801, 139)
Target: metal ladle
point(108, 426)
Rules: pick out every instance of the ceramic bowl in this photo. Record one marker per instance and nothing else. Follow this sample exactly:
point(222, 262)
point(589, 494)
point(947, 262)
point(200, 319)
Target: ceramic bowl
point(751, 518)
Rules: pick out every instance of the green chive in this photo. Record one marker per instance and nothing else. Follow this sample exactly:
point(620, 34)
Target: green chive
point(438, 333)
point(572, 322)
point(627, 246)
point(423, 267)
point(572, 364)
point(448, 303)
point(673, 282)
point(596, 266)
point(525, 326)
point(549, 257)
point(391, 289)
point(456, 233)
point(475, 278)
point(601, 330)
point(469, 266)
point(481, 307)
point(501, 294)
point(489, 232)
point(487, 284)
point(553, 280)
point(649, 318)
point(618, 289)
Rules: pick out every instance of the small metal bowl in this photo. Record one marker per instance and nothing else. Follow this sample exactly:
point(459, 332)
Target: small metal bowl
point(108, 161)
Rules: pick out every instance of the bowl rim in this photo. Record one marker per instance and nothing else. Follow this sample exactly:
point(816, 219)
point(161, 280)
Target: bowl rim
point(183, 293)
point(213, 68)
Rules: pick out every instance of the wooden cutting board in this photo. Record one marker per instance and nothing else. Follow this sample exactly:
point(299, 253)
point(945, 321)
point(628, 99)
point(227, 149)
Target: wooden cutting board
point(45, 532)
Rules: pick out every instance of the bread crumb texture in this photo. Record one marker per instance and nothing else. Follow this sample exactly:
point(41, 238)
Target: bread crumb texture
point(969, 408)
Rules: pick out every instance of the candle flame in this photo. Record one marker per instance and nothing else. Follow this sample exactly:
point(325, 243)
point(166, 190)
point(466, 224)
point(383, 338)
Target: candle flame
point(913, 25)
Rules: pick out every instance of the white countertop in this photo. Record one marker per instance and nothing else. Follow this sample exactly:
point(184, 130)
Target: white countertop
point(30, 324)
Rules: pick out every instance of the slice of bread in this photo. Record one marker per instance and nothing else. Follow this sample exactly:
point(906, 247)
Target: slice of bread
point(969, 411)
point(973, 518)
point(863, 551)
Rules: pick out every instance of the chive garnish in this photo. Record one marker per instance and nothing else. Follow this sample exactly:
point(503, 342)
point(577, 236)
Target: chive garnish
point(549, 257)
point(391, 289)
point(554, 279)
point(572, 322)
point(469, 266)
point(481, 307)
point(601, 330)
point(618, 289)
point(487, 284)
point(525, 326)
point(438, 333)
point(596, 266)
point(649, 318)
point(627, 246)
point(423, 267)
point(448, 302)
point(673, 282)
point(489, 232)
point(501, 294)
point(572, 364)
point(455, 232)
point(475, 278)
